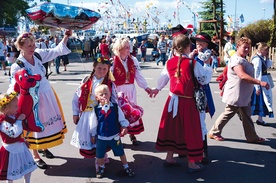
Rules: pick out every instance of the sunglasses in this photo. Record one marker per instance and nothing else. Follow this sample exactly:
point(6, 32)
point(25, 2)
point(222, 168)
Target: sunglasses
point(27, 35)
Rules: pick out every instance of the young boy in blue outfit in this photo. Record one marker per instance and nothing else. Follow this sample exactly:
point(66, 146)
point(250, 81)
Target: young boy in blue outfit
point(202, 54)
point(111, 126)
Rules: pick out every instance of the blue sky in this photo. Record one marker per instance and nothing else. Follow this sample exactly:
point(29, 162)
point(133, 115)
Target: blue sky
point(252, 10)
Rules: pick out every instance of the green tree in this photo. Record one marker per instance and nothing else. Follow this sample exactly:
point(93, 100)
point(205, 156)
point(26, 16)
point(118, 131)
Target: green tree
point(211, 11)
point(273, 35)
point(260, 31)
point(11, 11)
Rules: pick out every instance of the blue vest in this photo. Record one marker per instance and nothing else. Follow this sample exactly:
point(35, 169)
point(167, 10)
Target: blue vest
point(107, 125)
point(207, 89)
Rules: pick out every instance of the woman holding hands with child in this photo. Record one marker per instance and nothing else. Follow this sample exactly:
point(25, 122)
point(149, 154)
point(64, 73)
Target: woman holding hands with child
point(126, 70)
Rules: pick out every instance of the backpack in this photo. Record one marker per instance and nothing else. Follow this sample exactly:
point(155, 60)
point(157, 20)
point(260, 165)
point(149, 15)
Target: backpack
point(21, 64)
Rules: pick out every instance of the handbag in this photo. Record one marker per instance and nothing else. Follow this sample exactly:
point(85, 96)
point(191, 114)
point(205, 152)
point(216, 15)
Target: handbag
point(199, 93)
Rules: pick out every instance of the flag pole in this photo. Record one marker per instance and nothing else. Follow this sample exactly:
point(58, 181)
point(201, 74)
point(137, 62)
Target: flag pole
point(235, 15)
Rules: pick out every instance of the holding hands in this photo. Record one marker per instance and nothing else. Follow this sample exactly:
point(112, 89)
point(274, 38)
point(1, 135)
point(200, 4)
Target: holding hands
point(152, 92)
point(148, 90)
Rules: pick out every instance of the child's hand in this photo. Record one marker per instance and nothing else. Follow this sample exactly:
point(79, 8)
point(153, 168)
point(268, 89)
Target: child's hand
point(106, 101)
point(93, 140)
point(193, 53)
point(123, 132)
point(21, 117)
point(148, 90)
point(76, 119)
point(153, 93)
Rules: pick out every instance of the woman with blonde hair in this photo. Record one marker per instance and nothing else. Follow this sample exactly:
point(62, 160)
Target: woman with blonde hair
point(49, 109)
point(126, 70)
point(261, 103)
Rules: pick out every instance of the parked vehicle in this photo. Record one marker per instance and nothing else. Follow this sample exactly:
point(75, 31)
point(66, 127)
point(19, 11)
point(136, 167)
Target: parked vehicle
point(75, 43)
point(84, 34)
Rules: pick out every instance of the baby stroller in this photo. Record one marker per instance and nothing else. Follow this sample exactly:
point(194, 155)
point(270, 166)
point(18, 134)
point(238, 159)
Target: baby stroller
point(154, 54)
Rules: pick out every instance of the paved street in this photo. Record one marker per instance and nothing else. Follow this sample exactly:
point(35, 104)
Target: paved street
point(233, 160)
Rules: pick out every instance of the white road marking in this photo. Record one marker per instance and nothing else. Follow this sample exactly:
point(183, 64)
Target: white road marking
point(74, 84)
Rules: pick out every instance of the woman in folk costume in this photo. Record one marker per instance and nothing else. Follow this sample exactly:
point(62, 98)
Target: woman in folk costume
point(262, 99)
point(180, 128)
point(126, 70)
point(49, 109)
point(16, 160)
point(83, 104)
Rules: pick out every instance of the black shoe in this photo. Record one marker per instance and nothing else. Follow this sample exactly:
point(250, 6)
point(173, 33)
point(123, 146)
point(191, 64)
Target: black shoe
point(100, 172)
point(182, 155)
point(262, 123)
point(191, 170)
point(41, 164)
point(40, 151)
point(205, 161)
point(135, 143)
point(46, 153)
point(129, 172)
point(134, 140)
point(167, 164)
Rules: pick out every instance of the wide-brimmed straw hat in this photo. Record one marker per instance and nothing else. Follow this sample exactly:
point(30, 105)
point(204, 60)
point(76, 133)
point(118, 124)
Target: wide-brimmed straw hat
point(179, 29)
point(202, 36)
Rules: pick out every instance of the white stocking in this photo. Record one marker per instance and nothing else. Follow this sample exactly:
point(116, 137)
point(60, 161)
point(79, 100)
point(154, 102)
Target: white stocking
point(27, 178)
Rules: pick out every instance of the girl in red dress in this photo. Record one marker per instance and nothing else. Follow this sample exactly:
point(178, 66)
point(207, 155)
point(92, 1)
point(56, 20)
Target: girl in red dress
point(180, 129)
point(16, 160)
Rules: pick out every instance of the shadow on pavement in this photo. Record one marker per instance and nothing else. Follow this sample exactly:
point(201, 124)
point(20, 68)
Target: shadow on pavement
point(227, 165)
point(74, 167)
point(143, 146)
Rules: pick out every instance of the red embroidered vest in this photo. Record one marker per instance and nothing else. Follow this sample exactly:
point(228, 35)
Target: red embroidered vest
point(86, 91)
point(6, 139)
point(182, 86)
point(119, 72)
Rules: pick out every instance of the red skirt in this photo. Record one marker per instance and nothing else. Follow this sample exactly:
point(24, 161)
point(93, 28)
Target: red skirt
point(4, 160)
point(90, 153)
point(135, 130)
point(181, 134)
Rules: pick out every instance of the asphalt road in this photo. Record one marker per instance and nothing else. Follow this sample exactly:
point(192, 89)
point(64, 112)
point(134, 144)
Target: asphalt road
point(233, 160)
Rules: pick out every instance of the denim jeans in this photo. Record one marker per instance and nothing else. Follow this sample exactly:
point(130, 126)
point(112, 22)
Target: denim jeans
point(57, 63)
point(163, 58)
